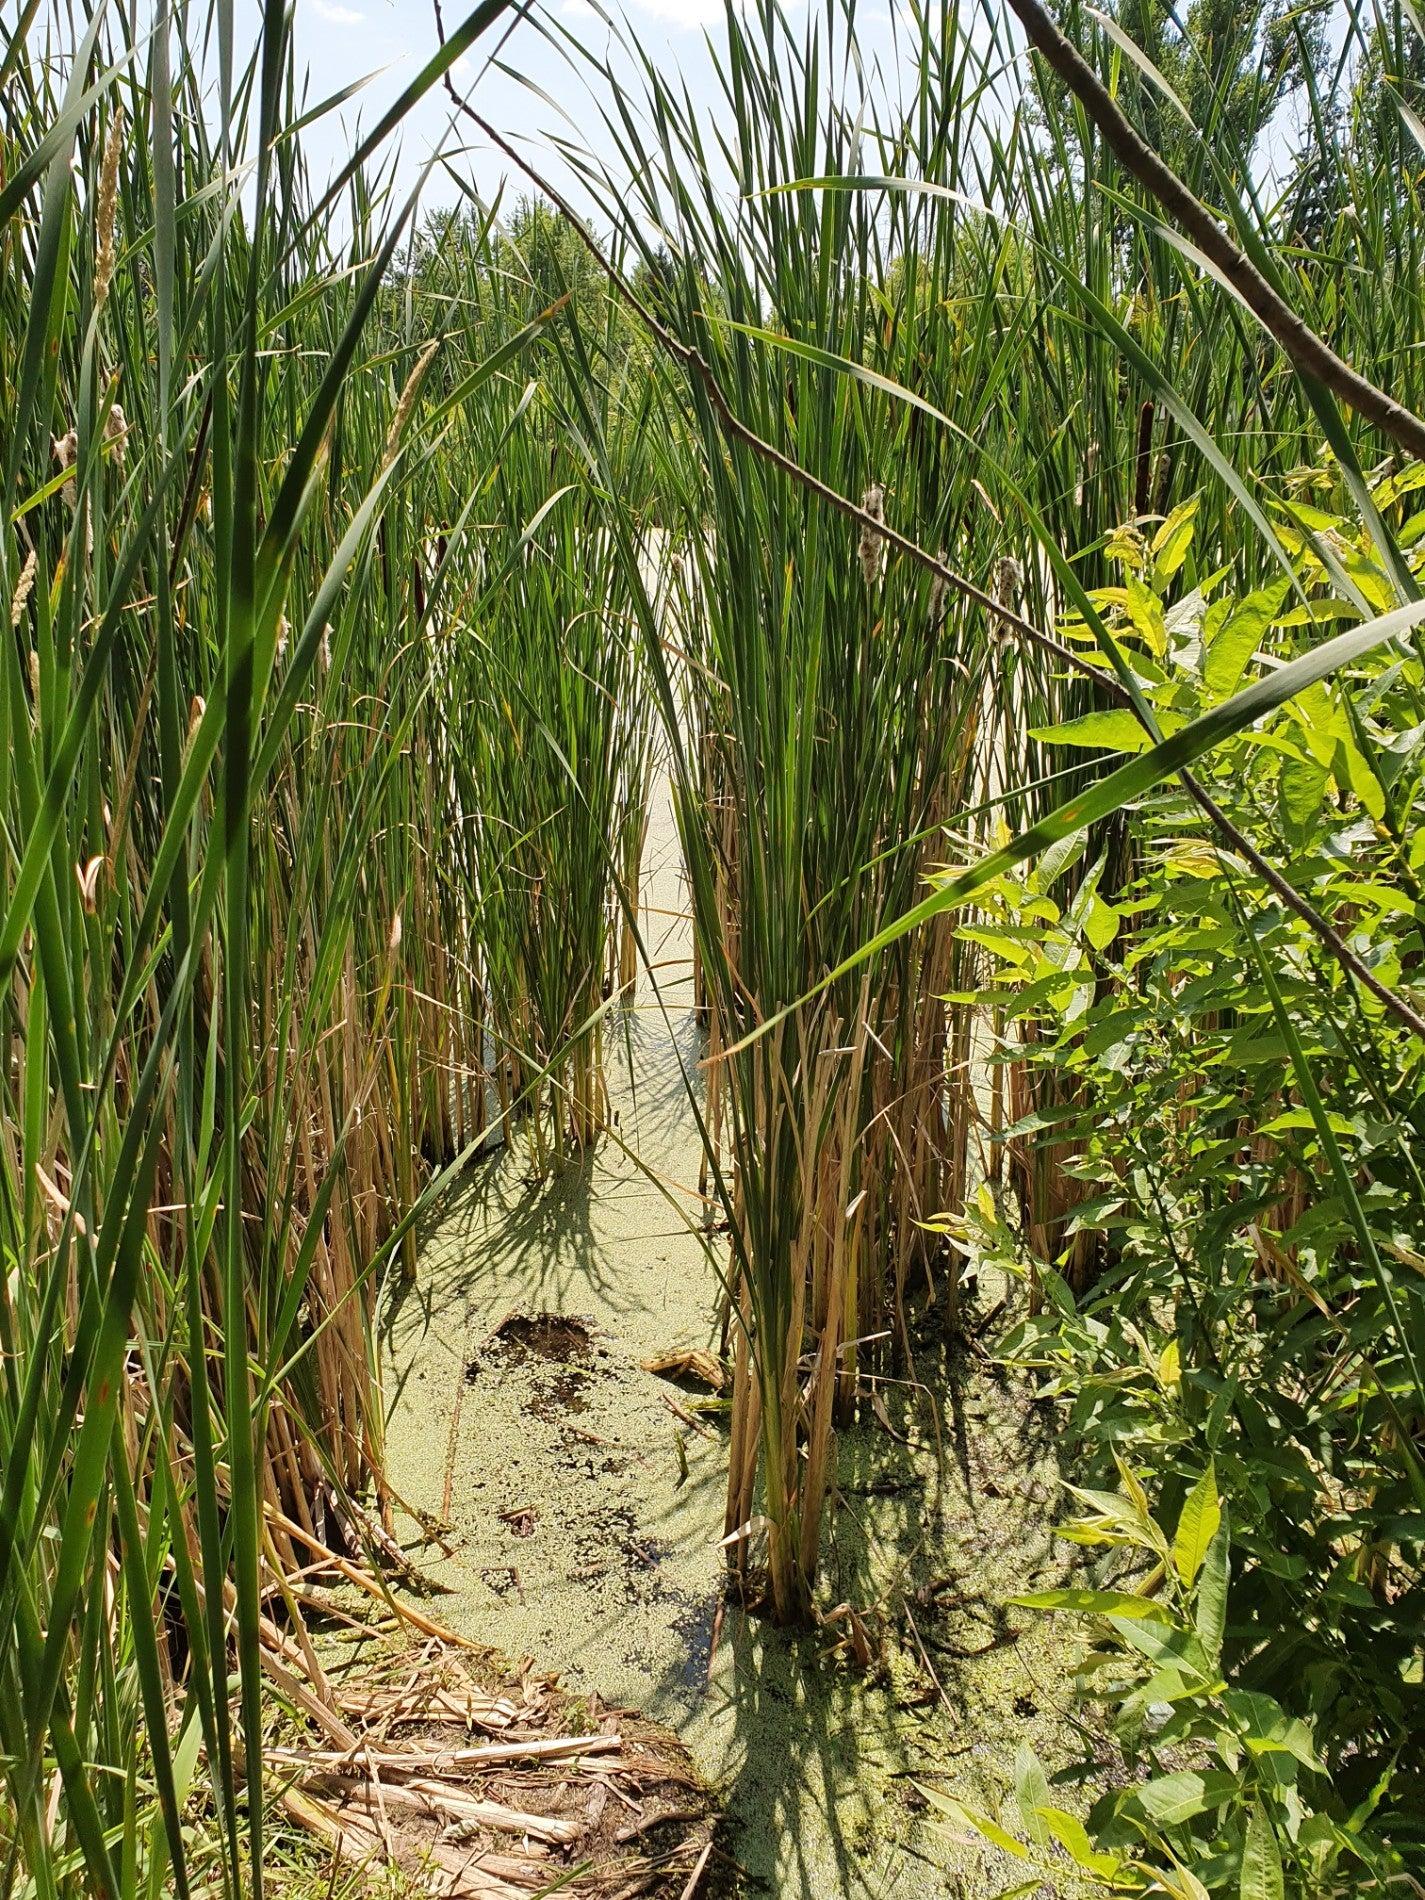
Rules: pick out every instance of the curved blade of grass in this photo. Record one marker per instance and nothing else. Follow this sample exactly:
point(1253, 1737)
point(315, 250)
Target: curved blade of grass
point(1130, 781)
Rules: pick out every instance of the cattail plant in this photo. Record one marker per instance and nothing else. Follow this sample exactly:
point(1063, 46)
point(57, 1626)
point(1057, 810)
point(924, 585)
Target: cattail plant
point(544, 724)
point(228, 1077)
point(820, 703)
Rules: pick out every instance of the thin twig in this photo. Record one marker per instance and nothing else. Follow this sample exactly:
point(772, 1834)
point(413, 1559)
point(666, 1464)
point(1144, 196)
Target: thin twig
point(697, 1873)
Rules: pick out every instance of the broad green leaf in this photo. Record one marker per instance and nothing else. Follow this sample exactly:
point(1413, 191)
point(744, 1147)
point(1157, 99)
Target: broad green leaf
point(1166, 1646)
point(1116, 730)
point(1261, 1859)
point(1243, 631)
point(1316, 718)
point(1292, 1118)
point(1170, 544)
point(1100, 923)
point(971, 1817)
point(1197, 1526)
point(1183, 1884)
point(1145, 611)
point(1212, 1584)
point(1088, 1602)
point(1301, 795)
point(1031, 1790)
point(1172, 1799)
point(1352, 767)
point(1268, 1729)
point(1073, 1837)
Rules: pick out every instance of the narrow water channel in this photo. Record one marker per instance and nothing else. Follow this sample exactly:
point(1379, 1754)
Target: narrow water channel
point(580, 1512)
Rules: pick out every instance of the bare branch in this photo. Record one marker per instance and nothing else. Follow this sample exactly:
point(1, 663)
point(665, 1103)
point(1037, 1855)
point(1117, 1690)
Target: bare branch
point(1310, 355)
point(692, 360)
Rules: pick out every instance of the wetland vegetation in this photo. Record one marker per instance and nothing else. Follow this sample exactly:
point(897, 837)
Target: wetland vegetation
point(711, 936)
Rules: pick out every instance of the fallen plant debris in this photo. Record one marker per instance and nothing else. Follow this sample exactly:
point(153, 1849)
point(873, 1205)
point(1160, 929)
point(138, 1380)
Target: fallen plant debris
point(691, 1363)
point(475, 1779)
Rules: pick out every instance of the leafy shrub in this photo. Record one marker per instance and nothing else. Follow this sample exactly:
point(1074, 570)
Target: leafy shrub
point(1233, 1121)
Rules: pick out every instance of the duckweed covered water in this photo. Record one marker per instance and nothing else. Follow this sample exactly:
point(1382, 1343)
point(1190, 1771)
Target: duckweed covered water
point(582, 1510)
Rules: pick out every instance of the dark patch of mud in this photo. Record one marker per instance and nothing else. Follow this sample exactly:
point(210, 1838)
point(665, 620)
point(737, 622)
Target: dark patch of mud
point(567, 1392)
point(554, 1337)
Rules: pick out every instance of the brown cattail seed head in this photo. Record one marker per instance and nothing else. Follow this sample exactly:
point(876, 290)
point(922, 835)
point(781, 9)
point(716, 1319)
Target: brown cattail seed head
point(108, 207)
point(116, 428)
point(939, 587)
point(1005, 584)
point(66, 453)
point(408, 401)
point(872, 545)
point(1009, 578)
point(23, 588)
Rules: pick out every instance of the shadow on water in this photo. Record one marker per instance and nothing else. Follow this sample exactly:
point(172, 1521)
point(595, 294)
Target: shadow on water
point(822, 1764)
point(542, 1232)
point(802, 1741)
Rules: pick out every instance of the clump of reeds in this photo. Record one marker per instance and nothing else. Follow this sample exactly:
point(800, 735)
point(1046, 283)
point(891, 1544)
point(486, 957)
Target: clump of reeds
point(544, 739)
point(821, 705)
point(245, 1023)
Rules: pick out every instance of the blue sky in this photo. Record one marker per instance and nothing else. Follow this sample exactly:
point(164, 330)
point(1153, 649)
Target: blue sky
point(342, 41)
point(386, 42)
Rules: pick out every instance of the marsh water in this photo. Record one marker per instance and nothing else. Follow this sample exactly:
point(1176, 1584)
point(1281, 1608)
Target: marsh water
point(578, 1501)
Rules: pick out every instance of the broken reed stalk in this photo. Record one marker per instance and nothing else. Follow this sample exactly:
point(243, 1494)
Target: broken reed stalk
point(532, 1811)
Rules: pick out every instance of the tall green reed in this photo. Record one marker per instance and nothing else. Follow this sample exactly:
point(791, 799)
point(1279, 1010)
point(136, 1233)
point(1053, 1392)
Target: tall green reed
point(543, 723)
point(233, 1006)
point(824, 706)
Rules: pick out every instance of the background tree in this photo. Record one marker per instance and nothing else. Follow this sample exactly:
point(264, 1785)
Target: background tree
point(1233, 66)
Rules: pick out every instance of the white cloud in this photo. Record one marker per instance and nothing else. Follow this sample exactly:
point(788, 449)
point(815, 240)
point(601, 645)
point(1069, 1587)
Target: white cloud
point(677, 13)
point(335, 15)
point(685, 12)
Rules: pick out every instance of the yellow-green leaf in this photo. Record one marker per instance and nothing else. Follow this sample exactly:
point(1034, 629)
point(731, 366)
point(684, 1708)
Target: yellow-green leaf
point(982, 1824)
point(1110, 731)
point(1092, 1602)
point(1172, 541)
point(1197, 1526)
